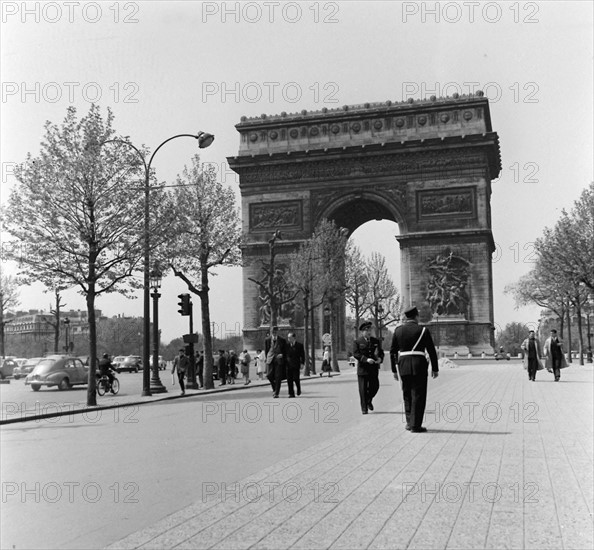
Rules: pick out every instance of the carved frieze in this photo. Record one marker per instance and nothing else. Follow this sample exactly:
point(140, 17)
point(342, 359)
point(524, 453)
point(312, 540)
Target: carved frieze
point(276, 215)
point(453, 202)
point(447, 284)
point(372, 165)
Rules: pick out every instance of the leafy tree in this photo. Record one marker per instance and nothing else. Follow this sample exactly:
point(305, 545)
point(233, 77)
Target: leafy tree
point(567, 247)
point(511, 337)
point(9, 299)
point(383, 299)
point(542, 287)
point(84, 210)
point(301, 275)
point(208, 236)
point(357, 283)
point(329, 242)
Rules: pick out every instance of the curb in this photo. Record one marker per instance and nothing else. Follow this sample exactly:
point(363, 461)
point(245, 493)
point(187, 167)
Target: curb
point(198, 393)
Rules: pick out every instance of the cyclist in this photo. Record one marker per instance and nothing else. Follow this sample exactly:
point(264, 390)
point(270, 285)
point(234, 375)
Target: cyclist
point(105, 368)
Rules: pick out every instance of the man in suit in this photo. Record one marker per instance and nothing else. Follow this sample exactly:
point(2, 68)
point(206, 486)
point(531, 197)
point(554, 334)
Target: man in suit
point(532, 355)
point(369, 355)
point(407, 354)
point(295, 358)
point(553, 352)
point(275, 349)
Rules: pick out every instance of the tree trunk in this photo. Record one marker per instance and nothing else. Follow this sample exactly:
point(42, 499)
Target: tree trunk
point(207, 335)
point(333, 339)
point(312, 367)
point(91, 387)
point(569, 359)
point(580, 335)
point(1, 327)
point(306, 332)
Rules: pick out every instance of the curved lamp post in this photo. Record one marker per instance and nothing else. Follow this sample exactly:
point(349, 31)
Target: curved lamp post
point(204, 140)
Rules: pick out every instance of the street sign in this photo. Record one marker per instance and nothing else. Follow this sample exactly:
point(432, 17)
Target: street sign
point(327, 339)
point(190, 338)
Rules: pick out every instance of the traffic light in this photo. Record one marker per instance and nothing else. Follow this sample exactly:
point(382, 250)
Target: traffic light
point(184, 304)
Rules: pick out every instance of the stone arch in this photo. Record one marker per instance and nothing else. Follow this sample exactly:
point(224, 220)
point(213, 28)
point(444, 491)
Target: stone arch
point(427, 165)
point(355, 208)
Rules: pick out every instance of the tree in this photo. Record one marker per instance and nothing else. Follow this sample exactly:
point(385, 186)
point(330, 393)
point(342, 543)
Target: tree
point(301, 275)
point(541, 287)
point(357, 283)
point(9, 299)
point(329, 243)
point(84, 213)
point(567, 247)
point(208, 235)
point(511, 337)
point(383, 299)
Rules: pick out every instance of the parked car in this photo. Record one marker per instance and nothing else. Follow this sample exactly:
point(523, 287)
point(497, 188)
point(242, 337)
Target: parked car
point(132, 363)
point(27, 368)
point(7, 368)
point(162, 363)
point(62, 371)
point(117, 360)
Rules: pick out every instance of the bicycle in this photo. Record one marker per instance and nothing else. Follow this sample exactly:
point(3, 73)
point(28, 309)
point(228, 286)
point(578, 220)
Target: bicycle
point(104, 385)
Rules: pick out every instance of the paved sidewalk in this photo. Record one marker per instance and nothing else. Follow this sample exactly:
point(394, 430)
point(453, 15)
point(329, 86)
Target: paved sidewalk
point(507, 463)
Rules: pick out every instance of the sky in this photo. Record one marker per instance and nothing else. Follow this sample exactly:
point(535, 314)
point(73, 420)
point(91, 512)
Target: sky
point(166, 68)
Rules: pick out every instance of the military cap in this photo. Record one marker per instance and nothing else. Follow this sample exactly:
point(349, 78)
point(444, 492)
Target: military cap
point(365, 325)
point(411, 312)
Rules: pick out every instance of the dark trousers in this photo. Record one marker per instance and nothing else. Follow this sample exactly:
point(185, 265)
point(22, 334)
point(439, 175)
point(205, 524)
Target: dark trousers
point(293, 376)
point(556, 367)
point(275, 376)
point(368, 387)
point(532, 367)
point(414, 393)
point(181, 376)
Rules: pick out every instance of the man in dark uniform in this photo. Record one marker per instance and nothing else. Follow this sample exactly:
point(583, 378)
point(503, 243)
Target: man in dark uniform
point(275, 348)
point(408, 360)
point(295, 358)
point(369, 355)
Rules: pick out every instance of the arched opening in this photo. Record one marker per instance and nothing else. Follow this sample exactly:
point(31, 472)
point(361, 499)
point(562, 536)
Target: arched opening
point(372, 222)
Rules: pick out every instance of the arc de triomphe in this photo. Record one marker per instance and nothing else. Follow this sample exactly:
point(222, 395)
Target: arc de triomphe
point(426, 165)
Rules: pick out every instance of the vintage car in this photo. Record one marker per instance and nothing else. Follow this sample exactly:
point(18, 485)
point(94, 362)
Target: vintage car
point(62, 371)
point(132, 363)
point(26, 368)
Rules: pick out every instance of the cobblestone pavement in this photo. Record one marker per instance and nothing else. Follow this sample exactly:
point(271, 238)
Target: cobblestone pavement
point(506, 463)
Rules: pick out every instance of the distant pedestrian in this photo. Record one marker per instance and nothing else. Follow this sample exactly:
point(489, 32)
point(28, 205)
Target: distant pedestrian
point(369, 354)
point(222, 368)
point(181, 363)
point(326, 363)
point(532, 355)
point(200, 368)
point(244, 364)
point(275, 349)
point(409, 363)
point(231, 367)
point(555, 358)
point(295, 360)
point(260, 363)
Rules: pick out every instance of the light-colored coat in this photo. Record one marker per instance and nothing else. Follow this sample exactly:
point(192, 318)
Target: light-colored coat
point(539, 354)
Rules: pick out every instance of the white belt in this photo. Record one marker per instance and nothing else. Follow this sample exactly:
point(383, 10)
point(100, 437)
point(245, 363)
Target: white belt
point(404, 353)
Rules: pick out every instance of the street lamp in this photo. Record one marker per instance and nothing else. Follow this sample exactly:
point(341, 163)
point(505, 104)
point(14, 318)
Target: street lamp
point(66, 326)
point(204, 140)
point(155, 277)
